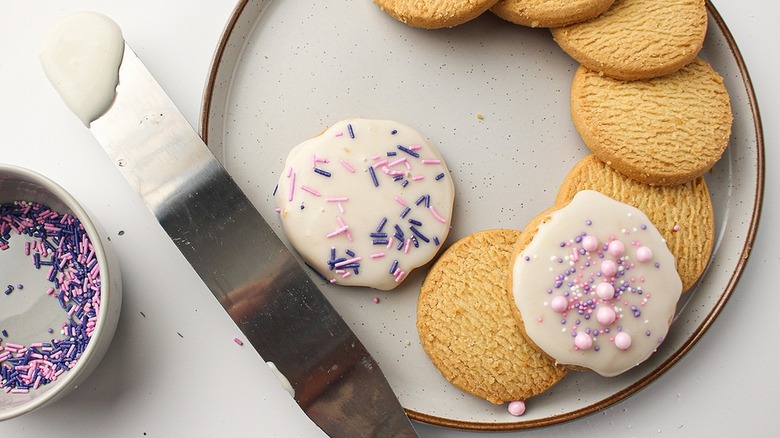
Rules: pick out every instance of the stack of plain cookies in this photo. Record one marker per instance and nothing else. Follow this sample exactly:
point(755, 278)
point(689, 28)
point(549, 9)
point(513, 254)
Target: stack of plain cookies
point(656, 119)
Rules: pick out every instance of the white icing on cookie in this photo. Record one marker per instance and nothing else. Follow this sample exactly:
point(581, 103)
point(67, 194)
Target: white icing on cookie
point(365, 202)
point(597, 286)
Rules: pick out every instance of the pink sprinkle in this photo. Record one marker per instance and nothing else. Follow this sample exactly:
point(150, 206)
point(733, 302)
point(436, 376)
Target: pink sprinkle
point(347, 166)
point(379, 164)
point(347, 262)
point(389, 242)
point(401, 201)
point(418, 178)
point(289, 172)
point(337, 232)
point(346, 274)
point(436, 215)
point(676, 228)
point(399, 274)
point(377, 255)
point(415, 147)
point(292, 186)
point(238, 341)
point(341, 208)
point(398, 161)
point(376, 299)
point(310, 190)
point(339, 134)
point(376, 157)
point(408, 245)
point(431, 161)
point(332, 280)
point(337, 199)
point(278, 210)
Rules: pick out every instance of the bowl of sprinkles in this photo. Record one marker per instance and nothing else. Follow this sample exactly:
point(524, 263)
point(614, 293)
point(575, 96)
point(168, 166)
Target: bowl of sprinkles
point(60, 292)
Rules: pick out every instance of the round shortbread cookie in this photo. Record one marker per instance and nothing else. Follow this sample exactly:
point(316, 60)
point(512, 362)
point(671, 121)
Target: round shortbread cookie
point(434, 14)
point(660, 131)
point(549, 13)
point(466, 326)
point(682, 213)
point(366, 202)
point(638, 39)
point(594, 284)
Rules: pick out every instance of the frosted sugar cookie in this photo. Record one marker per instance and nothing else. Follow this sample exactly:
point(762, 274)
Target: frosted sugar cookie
point(660, 131)
point(434, 14)
point(638, 39)
point(549, 13)
point(683, 213)
point(365, 202)
point(466, 327)
point(595, 287)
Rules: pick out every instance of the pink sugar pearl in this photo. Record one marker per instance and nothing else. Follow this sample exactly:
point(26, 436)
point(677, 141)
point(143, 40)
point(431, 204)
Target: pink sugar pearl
point(623, 341)
point(644, 254)
point(559, 304)
point(605, 291)
point(590, 243)
point(583, 341)
point(616, 248)
point(609, 268)
point(516, 408)
point(605, 315)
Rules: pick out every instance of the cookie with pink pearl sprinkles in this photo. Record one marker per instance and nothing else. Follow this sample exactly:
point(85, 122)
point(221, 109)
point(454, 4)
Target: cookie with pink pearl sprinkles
point(366, 202)
point(594, 284)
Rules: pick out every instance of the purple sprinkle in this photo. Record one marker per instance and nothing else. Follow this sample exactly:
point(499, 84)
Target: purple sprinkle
point(351, 132)
point(435, 240)
point(391, 153)
point(419, 200)
point(408, 151)
point(405, 212)
point(377, 235)
point(420, 235)
point(381, 225)
point(373, 176)
point(588, 222)
point(322, 172)
point(439, 176)
point(393, 267)
point(394, 132)
point(415, 222)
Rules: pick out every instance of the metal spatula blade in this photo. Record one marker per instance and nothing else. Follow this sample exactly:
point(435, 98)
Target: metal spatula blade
point(242, 261)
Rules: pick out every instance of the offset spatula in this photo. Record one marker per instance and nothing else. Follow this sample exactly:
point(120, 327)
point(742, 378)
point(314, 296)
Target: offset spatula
point(242, 261)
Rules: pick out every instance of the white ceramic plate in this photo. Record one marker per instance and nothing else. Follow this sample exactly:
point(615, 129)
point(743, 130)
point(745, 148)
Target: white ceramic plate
point(495, 98)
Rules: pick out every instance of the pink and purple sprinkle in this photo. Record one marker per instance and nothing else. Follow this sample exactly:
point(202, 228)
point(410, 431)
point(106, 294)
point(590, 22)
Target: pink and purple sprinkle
point(61, 244)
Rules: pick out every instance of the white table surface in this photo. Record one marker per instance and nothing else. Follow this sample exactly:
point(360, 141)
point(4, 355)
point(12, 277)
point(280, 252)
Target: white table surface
point(176, 371)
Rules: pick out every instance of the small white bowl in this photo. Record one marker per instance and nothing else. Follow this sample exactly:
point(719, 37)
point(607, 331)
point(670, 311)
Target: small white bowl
point(28, 314)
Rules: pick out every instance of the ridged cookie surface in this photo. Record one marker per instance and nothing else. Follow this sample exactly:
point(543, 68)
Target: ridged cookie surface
point(638, 39)
point(683, 213)
point(466, 326)
point(660, 131)
point(434, 14)
point(549, 13)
